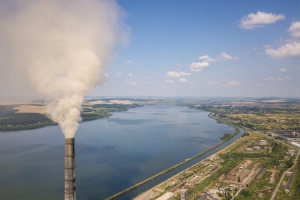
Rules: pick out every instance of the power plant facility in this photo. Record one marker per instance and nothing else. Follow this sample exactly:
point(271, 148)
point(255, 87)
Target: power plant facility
point(70, 189)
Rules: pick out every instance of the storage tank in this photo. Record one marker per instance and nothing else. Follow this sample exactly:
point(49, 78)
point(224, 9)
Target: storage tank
point(295, 144)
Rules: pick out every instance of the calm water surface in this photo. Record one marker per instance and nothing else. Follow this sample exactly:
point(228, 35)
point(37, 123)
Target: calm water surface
point(111, 154)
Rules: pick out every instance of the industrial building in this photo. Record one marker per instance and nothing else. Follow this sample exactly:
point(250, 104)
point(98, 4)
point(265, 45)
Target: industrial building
point(295, 144)
point(288, 184)
point(183, 194)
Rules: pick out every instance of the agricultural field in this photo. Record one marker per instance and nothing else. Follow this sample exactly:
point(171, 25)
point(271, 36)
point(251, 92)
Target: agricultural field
point(30, 115)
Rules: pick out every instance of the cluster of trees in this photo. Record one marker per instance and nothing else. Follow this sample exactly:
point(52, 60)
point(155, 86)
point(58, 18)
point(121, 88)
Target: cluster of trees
point(10, 120)
point(228, 136)
point(116, 107)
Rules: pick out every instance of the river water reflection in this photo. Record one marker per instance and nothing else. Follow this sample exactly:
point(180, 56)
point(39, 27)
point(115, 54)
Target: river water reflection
point(111, 154)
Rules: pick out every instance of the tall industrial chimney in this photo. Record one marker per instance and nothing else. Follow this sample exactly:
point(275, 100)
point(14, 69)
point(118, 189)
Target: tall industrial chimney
point(70, 190)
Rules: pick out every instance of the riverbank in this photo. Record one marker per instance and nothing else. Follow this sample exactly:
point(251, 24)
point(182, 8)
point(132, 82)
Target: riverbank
point(148, 139)
point(237, 131)
point(11, 119)
point(149, 194)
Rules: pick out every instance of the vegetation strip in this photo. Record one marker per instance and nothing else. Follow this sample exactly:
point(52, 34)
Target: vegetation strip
point(11, 120)
point(171, 168)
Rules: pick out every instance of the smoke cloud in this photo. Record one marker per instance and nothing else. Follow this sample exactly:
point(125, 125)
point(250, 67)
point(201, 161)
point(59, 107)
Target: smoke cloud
point(60, 47)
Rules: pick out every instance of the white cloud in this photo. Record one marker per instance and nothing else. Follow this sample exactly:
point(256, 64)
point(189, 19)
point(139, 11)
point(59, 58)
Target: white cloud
point(128, 62)
point(133, 83)
point(130, 74)
point(295, 29)
point(183, 80)
point(206, 58)
point(164, 86)
point(283, 70)
point(289, 50)
point(169, 81)
point(211, 83)
point(222, 57)
point(225, 56)
point(106, 75)
point(144, 77)
point(277, 79)
point(232, 83)
point(272, 79)
point(198, 66)
point(174, 74)
point(228, 83)
point(259, 20)
point(119, 75)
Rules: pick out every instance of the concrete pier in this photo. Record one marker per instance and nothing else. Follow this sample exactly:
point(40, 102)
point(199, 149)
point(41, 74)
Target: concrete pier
point(70, 190)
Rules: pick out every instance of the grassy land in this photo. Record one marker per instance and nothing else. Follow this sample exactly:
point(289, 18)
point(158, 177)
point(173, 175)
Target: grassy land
point(296, 184)
point(10, 120)
point(228, 136)
point(230, 157)
point(253, 118)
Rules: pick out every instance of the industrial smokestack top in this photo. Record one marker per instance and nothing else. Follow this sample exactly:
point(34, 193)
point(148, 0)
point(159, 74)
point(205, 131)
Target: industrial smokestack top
point(70, 189)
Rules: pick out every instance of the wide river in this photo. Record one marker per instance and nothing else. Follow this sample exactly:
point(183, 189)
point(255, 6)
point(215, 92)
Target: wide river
point(111, 154)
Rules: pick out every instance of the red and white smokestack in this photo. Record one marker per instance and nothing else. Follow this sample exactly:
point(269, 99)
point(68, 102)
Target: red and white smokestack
point(70, 189)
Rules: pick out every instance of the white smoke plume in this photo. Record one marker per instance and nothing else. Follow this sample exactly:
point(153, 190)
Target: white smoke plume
point(62, 46)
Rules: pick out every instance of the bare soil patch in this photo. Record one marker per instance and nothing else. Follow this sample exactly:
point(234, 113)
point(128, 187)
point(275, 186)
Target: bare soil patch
point(120, 102)
point(97, 102)
point(31, 109)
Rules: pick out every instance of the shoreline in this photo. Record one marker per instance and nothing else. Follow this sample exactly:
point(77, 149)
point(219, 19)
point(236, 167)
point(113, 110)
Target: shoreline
point(12, 120)
point(167, 170)
point(181, 163)
point(187, 169)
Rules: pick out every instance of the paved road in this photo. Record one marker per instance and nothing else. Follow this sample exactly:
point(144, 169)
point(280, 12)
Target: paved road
point(283, 175)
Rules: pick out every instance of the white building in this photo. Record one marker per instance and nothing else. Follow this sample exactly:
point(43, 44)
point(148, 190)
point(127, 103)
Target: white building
point(263, 143)
point(257, 148)
point(295, 144)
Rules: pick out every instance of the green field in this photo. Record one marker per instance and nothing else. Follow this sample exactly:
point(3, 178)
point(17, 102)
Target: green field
point(10, 120)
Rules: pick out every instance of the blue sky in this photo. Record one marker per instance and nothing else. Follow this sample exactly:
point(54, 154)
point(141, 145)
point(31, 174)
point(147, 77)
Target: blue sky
point(207, 48)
